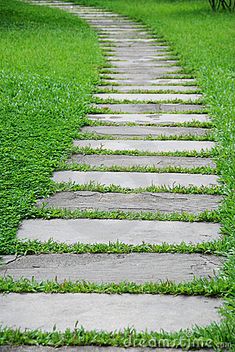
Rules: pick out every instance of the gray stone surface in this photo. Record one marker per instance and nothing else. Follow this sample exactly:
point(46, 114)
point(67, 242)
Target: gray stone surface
point(141, 62)
point(133, 40)
point(130, 160)
point(145, 145)
point(127, 231)
point(132, 202)
point(145, 131)
point(150, 88)
point(137, 76)
point(108, 268)
point(157, 119)
point(107, 312)
point(146, 82)
point(148, 97)
point(142, 108)
point(141, 70)
point(132, 180)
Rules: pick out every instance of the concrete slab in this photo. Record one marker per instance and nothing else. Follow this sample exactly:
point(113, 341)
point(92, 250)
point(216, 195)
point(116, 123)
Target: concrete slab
point(95, 160)
point(128, 34)
point(145, 131)
point(135, 58)
point(138, 63)
point(108, 268)
point(134, 232)
point(107, 312)
point(126, 89)
point(133, 180)
point(148, 108)
point(141, 71)
point(132, 202)
point(134, 40)
point(144, 145)
point(142, 119)
point(148, 97)
point(147, 82)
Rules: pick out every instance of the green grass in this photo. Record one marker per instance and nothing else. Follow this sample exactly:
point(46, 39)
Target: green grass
point(94, 186)
point(216, 287)
point(207, 170)
point(49, 63)
point(219, 337)
point(184, 137)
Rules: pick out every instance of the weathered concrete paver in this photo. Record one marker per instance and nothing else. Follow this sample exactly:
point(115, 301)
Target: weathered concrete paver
point(107, 312)
point(145, 131)
point(126, 89)
point(132, 202)
point(147, 81)
point(147, 97)
point(144, 161)
point(151, 146)
point(134, 232)
point(135, 179)
point(101, 268)
point(150, 108)
point(142, 119)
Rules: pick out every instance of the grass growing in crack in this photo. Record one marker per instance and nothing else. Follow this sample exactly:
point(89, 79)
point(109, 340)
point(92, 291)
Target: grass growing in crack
point(215, 287)
point(88, 150)
point(72, 165)
point(216, 336)
point(97, 100)
point(110, 89)
point(30, 247)
point(98, 187)
point(183, 137)
point(193, 123)
point(53, 213)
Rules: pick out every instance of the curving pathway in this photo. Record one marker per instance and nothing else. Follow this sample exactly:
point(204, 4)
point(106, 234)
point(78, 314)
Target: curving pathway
point(137, 128)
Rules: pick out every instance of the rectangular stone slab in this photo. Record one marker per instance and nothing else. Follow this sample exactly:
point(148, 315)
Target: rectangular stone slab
point(133, 40)
point(142, 69)
point(138, 63)
point(150, 146)
point(146, 82)
point(148, 108)
point(132, 202)
point(108, 268)
point(135, 76)
point(150, 88)
point(142, 119)
point(145, 131)
point(148, 97)
point(107, 312)
point(133, 232)
point(131, 160)
point(133, 180)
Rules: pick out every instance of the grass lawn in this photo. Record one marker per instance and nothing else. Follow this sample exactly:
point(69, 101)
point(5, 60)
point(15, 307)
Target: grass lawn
point(49, 66)
point(49, 63)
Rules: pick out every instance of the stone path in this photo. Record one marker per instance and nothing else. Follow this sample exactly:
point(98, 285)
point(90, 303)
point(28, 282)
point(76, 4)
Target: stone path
point(145, 86)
